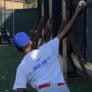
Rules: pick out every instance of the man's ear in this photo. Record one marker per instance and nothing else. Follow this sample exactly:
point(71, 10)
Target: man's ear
point(31, 42)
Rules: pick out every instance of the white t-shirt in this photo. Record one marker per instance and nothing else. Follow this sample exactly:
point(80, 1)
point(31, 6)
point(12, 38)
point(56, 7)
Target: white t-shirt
point(40, 66)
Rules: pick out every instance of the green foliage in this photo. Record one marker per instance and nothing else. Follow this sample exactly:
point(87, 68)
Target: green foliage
point(28, 1)
point(32, 2)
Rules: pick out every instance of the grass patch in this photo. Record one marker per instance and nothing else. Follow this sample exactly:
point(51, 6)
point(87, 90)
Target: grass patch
point(9, 60)
point(80, 85)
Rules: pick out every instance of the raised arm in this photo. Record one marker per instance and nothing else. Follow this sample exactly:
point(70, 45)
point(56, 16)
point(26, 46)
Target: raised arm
point(79, 10)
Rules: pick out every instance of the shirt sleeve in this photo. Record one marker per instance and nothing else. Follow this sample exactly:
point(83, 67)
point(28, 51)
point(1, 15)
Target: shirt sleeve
point(54, 45)
point(21, 79)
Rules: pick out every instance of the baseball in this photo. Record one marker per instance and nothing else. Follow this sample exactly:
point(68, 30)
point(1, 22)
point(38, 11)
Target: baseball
point(82, 2)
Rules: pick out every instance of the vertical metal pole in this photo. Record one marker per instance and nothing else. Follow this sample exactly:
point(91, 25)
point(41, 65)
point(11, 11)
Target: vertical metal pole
point(64, 40)
point(0, 15)
point(50, 8)
point(4, 13)
point(42, 7)
point(13, 18)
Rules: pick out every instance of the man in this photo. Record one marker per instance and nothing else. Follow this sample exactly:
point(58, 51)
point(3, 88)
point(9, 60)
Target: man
point(5, 35)
point(40, 67)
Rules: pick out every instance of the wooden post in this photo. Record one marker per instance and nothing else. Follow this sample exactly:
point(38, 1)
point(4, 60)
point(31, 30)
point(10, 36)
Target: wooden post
point(64, 40)
point(50, 21)
point(47, 30)
point(38, 33)
point(77, 52)
point(42, 14)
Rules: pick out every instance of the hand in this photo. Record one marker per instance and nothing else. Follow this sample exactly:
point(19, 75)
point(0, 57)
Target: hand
point(80, 8)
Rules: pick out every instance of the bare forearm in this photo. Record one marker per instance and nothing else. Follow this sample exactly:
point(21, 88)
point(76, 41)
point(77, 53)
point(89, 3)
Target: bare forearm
point(67, 28)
